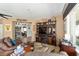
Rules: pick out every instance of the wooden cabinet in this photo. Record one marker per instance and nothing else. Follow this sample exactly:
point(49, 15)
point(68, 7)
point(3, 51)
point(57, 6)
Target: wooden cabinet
point(49, 39)
point(46, 32)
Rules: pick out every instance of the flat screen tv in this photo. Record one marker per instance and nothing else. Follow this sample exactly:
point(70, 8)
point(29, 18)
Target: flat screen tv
point(42, 30)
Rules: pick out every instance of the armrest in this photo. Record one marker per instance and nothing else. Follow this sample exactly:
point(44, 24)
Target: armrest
point(69, 49)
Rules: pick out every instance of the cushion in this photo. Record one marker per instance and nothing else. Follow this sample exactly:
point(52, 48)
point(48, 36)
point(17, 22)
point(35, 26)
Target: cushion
point(45, 49)
point(37, 45)
point(13, 42)
point(57, 49)
point(41, 47)
point(63, 53)
point(18, 51)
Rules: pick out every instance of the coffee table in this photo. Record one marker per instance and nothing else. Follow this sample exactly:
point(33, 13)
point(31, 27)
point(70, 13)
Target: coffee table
point(27, 49)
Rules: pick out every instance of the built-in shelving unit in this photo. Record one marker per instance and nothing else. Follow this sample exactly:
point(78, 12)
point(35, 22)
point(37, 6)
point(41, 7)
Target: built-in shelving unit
point(46, 32)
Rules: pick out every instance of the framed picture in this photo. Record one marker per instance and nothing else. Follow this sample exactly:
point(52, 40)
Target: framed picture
point(8, 27)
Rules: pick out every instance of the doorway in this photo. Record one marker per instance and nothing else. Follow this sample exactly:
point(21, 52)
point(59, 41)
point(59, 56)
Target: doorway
point(23, 29)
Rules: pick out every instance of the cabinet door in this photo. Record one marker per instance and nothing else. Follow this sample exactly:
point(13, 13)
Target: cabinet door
point(50, 40)
point(1, 31)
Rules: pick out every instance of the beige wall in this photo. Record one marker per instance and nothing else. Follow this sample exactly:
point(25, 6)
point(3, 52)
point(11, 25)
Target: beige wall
point(59, 27)
point(5, 32)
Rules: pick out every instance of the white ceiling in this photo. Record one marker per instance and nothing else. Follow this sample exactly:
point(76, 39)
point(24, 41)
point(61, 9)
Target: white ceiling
point(31, 10)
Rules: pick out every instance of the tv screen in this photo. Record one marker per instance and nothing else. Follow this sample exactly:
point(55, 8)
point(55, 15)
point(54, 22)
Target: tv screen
point(42, 30)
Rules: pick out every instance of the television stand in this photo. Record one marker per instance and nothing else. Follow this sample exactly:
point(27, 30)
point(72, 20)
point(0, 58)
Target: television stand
point(46, 32)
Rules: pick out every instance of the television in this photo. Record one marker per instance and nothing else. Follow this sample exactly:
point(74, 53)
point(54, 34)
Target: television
point(42, 30)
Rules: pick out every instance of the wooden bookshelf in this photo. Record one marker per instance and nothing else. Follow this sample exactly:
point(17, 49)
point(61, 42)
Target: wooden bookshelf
point(46, 32)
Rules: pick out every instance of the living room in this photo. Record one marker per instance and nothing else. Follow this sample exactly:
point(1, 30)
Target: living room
point(36, 29)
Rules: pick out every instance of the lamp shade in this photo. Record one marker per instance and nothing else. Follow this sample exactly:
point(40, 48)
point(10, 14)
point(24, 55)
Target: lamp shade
point(67, 37)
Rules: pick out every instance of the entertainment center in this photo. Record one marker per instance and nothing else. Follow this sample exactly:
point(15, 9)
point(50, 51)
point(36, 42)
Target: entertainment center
point(46, 32)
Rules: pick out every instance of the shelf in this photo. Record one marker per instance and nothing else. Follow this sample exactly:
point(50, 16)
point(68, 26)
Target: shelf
point(45, 29)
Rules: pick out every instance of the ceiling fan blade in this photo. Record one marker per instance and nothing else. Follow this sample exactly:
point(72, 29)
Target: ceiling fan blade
point(5, 17)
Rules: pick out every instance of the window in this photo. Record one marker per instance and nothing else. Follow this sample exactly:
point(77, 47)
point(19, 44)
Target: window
point(77, 27)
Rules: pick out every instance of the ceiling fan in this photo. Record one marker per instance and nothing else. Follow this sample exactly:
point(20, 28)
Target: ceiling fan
point(4, 16)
